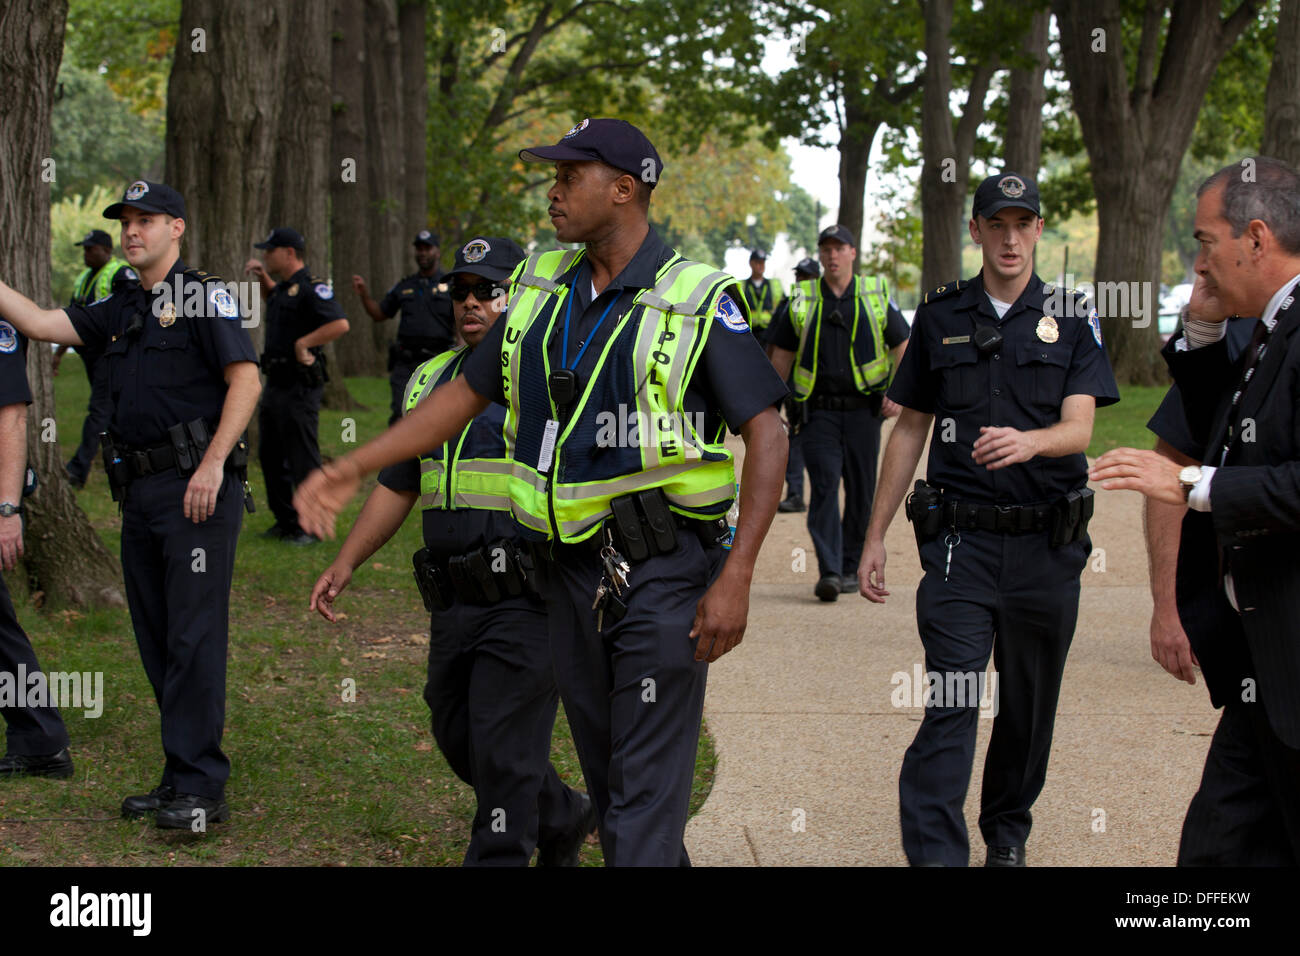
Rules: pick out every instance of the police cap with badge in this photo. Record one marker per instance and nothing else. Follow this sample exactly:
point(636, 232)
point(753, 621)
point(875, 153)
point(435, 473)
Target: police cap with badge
point(426, 237)
point(614, 142)
point(148, 197)
point(489, 257)
point(807, 267)
point(96, 237)
point(282, 237)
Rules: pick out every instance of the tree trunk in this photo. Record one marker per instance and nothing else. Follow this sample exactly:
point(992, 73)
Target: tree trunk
point(1136, 137)
point(1024, 139)
point(351, 226)
point(300, 197)
point(64, 557)
point(1282, 97)
point(855, 153)
point(945, 149)
point(412, 16)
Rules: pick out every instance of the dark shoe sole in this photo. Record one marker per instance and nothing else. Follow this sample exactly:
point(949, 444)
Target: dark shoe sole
point(220, 816)
point(826, 591)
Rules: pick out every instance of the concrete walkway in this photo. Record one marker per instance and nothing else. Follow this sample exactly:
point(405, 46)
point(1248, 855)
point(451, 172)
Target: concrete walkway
point(810, 744)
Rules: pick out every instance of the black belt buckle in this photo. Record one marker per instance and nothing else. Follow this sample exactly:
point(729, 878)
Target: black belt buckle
point(563, 384)
point(1005, 520)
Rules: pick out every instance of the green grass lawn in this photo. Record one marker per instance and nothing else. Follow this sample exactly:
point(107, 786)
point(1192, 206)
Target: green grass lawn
point(315, 780)
point(1124, 424)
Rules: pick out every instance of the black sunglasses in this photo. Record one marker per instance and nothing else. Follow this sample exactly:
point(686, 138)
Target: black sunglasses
point(483, 291)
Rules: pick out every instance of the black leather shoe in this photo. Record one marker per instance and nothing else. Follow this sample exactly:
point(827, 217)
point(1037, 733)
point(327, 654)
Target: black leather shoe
point(276, 531)
point(155, 799)
point(790, 504)
point(301, 538)
point(181, 813)
point(1005, 856)
point(848, 584)
point(828, 587)
point(49, 765)
point(564, 850)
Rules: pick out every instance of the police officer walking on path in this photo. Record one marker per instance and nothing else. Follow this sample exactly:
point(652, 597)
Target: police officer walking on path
point(95, 282)
point(842, 337)
point(805, 270)
point(1011, 372)
point(761, 295)
point(491, 689)
point(183, 388)
point(426, 328)
point(36, 741)
point(302, 316)
point(626, 521)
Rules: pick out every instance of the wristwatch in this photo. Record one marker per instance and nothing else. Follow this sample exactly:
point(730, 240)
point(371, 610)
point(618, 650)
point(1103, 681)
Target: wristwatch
point(8, 510)
point(1188, 478)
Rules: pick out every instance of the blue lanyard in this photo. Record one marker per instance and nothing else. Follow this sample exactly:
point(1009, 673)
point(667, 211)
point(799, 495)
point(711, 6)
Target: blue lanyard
point(568, 311)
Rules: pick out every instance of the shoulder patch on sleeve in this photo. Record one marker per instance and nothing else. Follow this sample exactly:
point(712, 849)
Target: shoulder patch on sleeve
point(1094, 323)
point(8, 338)
point(729, 314)
point(223, 303)
point(945, 290)
point(323, 291)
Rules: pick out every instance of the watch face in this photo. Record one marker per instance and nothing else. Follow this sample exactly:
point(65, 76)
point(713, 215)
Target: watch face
point(1190, 475)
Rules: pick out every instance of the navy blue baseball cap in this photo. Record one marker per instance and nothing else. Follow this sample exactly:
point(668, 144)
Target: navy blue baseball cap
point(148, 197)
point(96, 237)
point(758, 254)
point(492, 257)
point(615, 142)
point(838, 233)
point(283, 236)
point(1003, 190)
point(426, 237)
point(808, 267)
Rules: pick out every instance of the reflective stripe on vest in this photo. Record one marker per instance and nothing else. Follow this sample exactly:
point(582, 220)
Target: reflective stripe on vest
point(760, 317)
point(479, 483)
point(805, 316)
point(662, 337)
point(85, 291)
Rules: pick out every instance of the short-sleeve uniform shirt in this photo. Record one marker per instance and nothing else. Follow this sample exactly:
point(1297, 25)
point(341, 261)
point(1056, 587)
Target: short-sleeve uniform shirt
point(834, 361)
point(298, 306)
point(13, 367)
point(732, 382)
point(165, 367)
point(1044, 356)
point(1170, 420)
point(427, 321)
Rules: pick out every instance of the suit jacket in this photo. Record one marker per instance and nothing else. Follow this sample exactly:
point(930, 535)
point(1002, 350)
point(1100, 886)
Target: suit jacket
point(1252, 528)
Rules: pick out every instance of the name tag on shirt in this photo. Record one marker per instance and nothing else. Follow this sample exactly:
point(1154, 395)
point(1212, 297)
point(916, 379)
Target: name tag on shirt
point(956, 340)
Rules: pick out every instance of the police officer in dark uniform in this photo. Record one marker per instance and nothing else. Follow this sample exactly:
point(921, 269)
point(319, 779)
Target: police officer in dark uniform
point(621, 365)
point(36, 741)
point(491, 689)
point(426, 328)
point(183, 388)
point(1010, 371)
point(302, 316)
point(762, 295)
point(1163, 522)
point(805, 270)
point(838, 341)
point(102, 273)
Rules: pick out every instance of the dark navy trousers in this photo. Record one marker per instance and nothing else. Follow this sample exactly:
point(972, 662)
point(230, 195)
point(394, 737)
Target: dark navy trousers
point(287, 445)
point(178, 577)
point(29, 731)
point(634, 694)
point(1018, 599)
point(492, 701)
point(840, 446)
point(98, 412)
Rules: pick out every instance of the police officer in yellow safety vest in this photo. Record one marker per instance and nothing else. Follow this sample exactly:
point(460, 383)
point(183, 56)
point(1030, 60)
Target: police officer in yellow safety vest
point(761, 295)
point(95, 282)
point(621, 366)
point(844, 337)
point(491, 689)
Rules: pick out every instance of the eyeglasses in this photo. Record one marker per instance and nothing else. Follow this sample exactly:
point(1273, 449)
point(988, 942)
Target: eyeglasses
point(483, 291)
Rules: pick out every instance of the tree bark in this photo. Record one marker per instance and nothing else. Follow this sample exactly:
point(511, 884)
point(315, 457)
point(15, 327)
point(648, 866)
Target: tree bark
point(1027, 94)
point(64, 557)
point(412, 18)
point(1136, 134)
point(855, 153)
point(1282, 97)
point(300, 197)
point(946, 148)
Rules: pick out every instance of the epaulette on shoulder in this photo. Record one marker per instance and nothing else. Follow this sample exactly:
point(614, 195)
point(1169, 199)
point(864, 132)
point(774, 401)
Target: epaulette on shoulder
point(950, 288)
point(204, 276)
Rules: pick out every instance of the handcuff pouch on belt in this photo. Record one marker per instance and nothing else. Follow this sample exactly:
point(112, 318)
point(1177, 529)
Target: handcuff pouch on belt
point(186, 445)
point(285, 372)
point(1065, 520)
point(644, 526)
point(487, 576)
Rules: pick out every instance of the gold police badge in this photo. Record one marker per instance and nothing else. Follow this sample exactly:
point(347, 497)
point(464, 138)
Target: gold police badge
point(167, 315)
point(293, 289)
point(1047, 330)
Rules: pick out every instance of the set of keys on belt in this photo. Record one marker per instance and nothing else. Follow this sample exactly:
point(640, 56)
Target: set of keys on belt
point(613, 582)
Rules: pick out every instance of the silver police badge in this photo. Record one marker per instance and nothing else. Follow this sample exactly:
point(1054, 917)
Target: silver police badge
point(136, 189)
point(1013, 187)
point(475, 250)
point(167, 315)
point(577, 129)
point(1047, 330)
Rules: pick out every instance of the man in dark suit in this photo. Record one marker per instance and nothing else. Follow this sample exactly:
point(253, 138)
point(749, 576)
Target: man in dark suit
point(1238, 573)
